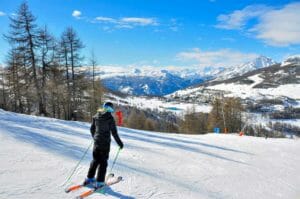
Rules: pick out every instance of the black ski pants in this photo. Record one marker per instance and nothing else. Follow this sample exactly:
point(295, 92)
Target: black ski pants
point(99, 162)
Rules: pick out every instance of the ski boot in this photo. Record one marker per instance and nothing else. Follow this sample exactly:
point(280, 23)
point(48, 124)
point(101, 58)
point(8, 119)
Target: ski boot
point(88, 181)
point(99, 185)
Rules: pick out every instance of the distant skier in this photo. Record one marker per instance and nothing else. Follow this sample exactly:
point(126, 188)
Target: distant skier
point(102, 127)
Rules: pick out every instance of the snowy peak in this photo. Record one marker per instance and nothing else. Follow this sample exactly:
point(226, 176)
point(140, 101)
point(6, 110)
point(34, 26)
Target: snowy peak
point(294, 59)
point(257, 63)
point(261, 62)
point(149, 80)
point(269, 82)
point(137, 71)
point(157, 81)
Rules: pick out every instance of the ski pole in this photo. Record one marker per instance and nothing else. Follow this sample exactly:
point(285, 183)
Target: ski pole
point(75, 168)
point(119, 150)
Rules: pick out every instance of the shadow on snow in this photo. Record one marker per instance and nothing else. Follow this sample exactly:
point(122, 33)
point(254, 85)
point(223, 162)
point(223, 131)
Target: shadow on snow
point(55, 145)
point(28, 131)
point(126, 130)
point(180, 146)
point(109, 191)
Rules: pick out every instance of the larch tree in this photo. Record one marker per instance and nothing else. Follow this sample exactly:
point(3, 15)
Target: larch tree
point(23, 36)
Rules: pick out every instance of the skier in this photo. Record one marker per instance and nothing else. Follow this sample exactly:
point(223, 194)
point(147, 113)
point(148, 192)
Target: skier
point(102, 127)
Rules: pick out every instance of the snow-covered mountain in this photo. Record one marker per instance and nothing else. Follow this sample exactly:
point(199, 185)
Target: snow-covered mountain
point(230, 72)
point(158, 82)
point(39, 154)
point(150, 80)
point(295, 59)
point(279, 80)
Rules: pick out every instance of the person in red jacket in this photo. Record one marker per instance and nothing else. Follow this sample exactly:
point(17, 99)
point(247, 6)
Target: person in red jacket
point(120, 118)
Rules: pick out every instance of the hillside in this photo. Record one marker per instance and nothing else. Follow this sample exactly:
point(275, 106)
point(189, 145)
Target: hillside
point(37, 155)
point(269, 95)
point(279, 80)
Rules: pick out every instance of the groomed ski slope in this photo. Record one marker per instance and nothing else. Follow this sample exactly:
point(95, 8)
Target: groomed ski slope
point(37, 155)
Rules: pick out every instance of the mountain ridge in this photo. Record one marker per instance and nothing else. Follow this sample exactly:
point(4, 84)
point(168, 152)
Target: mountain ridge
point(258, 82)
point(154, 81)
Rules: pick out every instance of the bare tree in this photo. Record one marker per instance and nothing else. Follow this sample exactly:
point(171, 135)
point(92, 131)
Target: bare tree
point(71, 47)
point(229, 109)
point(23, 36)
point(47, 48)
point(3, 102)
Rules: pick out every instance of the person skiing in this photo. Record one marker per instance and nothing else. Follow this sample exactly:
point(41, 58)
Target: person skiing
point(103, 126)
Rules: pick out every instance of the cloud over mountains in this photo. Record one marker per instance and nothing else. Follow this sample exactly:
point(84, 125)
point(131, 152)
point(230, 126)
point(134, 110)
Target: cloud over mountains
point(274, 26)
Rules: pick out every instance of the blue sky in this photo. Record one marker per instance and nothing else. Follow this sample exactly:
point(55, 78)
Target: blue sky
point(164, 33)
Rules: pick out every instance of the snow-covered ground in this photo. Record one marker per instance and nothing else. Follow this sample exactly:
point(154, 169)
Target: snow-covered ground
point(260, 119)
point(37, 155)
point(248, 91)
point(160, 104)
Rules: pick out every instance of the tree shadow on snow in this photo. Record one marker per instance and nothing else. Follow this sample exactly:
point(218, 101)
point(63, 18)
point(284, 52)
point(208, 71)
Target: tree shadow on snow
point(56, 145)
point(181, 146)
point(125, 130)
point(57, 126)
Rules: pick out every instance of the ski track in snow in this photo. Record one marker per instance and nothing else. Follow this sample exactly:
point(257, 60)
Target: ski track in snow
point(37, 155)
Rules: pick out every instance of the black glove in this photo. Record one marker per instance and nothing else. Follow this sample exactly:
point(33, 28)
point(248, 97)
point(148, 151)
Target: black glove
point(121, 145)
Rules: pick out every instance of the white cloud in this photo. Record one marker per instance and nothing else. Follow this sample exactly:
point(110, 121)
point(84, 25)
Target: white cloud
point(2, 13)
point(139, 21)
point(219, 58)
point(275, 26)
point(239, 18)
point(105, 19)
point(280, 27)
point(124, 26)
point(125, 22)
point(76, 14)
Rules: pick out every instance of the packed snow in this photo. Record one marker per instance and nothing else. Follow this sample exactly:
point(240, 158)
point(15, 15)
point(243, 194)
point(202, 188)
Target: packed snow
point(38, 154)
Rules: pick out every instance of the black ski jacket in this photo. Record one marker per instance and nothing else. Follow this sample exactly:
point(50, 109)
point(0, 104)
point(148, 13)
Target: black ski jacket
point(103, 126)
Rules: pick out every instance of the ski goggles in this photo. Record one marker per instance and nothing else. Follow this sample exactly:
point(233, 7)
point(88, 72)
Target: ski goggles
point(109, 109)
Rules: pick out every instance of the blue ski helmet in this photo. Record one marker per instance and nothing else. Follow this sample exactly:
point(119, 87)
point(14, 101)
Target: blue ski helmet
point(108, 107)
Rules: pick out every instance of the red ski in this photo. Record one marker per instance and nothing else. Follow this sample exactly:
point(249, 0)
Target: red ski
point(78, 186)
point(100, 189)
